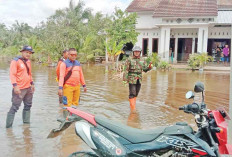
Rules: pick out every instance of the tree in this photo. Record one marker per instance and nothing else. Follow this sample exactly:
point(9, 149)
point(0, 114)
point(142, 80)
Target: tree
point(4, 34)
point(120, 31)
point(75, 26)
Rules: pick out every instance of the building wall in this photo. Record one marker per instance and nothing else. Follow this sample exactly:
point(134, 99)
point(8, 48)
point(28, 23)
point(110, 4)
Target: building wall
point(150, 34)
point(220, 32)
point(187, 21)
point(156, 33)
point(145, 20)
point(184, 33)
point(201, 28)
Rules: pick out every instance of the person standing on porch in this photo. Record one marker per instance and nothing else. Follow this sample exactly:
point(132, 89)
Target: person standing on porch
point(171, 55)
point(23, 86)
point(133, 69)
point(218, 54)
point(71, 77)
point(226, 52)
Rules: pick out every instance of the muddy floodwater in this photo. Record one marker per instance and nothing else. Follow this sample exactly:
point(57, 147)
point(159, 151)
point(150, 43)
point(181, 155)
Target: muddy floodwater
point(161, 94)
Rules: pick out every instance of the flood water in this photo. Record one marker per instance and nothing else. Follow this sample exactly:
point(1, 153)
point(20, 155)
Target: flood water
point(161, 94)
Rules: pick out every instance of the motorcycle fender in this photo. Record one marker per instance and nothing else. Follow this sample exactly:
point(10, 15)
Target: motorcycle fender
point(107, 144)
point(83, 130)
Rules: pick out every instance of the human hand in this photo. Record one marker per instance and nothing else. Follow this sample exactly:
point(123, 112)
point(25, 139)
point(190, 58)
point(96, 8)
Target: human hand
point(33, 88)
point(85, 89)
point(60, 92)
point(17, 90)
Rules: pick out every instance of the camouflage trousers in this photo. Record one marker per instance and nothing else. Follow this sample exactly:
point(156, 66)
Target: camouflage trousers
point(134, 89)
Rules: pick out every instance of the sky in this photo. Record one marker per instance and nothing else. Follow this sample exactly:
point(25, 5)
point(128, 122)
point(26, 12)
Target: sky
point(35, 11)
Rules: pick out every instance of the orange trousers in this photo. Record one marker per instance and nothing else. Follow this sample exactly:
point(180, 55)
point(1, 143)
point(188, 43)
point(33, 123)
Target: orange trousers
point(72, 93)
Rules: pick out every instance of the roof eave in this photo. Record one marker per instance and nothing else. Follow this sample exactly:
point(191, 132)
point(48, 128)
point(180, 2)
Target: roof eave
point(137, 11)
point(147, 28)
point(191, 16)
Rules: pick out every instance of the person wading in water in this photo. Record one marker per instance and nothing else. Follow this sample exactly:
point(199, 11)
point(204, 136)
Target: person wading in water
point(133, 69)
point(23, 86)
point(62, 59)
point(71, 77)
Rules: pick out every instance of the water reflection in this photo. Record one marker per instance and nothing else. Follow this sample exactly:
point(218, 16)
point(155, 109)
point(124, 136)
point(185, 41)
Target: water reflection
point(20, 141)
point(28, 141)
point(161, 94)
point(134, 120)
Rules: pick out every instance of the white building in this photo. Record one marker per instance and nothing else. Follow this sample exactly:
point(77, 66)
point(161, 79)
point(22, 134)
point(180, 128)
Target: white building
point(185, 26)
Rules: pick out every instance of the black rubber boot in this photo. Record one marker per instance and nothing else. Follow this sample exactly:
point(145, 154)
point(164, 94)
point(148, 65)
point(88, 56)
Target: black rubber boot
point(65, 115)
point(9, 120)
point(26, 116)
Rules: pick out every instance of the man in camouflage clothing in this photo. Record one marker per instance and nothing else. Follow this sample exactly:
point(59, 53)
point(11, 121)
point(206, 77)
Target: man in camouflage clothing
point(133, 69)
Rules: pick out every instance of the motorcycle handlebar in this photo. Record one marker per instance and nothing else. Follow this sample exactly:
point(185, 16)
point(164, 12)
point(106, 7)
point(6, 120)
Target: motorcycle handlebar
point(191, 108)
point(181, 108)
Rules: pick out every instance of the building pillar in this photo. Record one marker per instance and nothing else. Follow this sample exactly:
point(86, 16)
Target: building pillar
point(175, 52)
point(205, 39)
point(202, 39)
point(162, 42)
point(149, 53)
point(193, 45)
point(165, 44)
point(199, 46)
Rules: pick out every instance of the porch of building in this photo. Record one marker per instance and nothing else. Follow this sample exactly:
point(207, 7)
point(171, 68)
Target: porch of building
point(175, 44)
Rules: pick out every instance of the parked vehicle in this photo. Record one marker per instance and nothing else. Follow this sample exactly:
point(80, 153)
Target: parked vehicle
point(108, 138)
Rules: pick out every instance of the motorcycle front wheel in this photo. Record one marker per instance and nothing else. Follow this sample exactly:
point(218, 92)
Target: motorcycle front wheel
point(83, 154)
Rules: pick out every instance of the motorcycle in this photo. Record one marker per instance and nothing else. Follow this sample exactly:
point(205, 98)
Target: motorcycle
point(109, 138)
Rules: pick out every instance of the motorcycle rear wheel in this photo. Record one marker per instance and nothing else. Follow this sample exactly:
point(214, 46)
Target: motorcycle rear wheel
point(83, 154)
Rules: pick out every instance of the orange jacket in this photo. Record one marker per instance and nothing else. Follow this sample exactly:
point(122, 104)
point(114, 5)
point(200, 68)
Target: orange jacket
point(77, 76)
point(18, 73)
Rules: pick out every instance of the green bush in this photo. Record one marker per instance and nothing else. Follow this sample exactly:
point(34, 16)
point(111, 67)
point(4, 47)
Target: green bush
point(164, 65)
point(90, 58)
point(154, 58)
point(82, 59)
point(11, 50)
point(198, 60)
point(193, 61)
point(124, 58)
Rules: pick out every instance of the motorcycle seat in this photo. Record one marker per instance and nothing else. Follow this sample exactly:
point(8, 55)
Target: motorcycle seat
point(131, 134)
point(178, 129)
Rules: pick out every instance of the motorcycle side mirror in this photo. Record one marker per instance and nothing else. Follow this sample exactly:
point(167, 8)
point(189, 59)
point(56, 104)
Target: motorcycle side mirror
point(189, 95)
point(199, 87)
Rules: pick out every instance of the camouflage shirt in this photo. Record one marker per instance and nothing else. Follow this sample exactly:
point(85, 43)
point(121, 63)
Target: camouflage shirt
point(133, 70)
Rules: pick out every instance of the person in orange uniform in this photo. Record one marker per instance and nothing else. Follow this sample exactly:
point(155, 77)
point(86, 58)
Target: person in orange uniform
point(23, 86)
point(62, 59)
point(69, 84)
